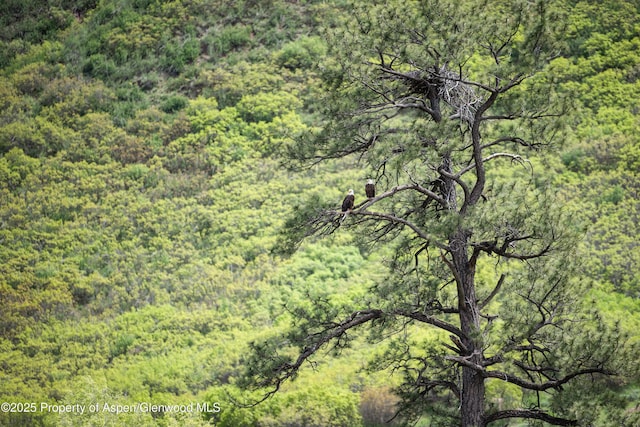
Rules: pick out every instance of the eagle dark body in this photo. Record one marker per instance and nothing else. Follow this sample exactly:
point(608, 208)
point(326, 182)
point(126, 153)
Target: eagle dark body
point(370, 189)
point(348, 202)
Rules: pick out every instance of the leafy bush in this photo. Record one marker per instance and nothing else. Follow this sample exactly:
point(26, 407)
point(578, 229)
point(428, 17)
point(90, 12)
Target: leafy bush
point(302, 53)
point(174, 103)
point(99, 66)
point(573, 159)
point(264, 107)
point(228, 39)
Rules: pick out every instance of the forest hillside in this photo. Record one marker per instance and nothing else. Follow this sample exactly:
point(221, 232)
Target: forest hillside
point(145, 184)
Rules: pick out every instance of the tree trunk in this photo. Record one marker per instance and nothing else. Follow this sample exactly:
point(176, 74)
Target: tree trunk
point(472, 408)
point(473, 388)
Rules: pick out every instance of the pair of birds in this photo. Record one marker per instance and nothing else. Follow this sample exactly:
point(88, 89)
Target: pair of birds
point(349, 200)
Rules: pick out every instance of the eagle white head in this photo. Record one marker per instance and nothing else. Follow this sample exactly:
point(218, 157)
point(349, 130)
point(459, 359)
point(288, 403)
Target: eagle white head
point(369, 181)
point(351, 193)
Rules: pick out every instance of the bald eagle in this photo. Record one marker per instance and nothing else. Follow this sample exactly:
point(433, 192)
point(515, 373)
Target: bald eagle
point(370, 189)
point(347, 203)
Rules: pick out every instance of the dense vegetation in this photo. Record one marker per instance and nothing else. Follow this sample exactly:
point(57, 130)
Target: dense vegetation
point(143, 189)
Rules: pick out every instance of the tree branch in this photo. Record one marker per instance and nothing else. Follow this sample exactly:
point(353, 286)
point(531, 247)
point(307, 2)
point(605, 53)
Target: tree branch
point(528, 414)
point(397, 220)
point(416, 187)
point(513, 157)
point(514, 139)
point(421, 317)
point(539, 369)
point(492, 247)
point(431, 384)
point(551, 384)
point(456, 178)
point(289, 370)
point(529, 385)
point(493, 293)
point(515, 116)
point(478, 188)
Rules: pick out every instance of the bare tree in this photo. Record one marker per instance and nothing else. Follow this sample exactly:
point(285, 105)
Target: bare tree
point(437, 98)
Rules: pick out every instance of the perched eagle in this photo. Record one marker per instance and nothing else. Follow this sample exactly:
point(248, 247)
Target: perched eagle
point(370, 189)
point(347, 203)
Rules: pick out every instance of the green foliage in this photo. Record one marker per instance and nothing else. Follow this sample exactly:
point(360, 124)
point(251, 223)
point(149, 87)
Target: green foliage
point(302, 53)
point(227, 40)
point(318, 406)
point(99, 66)
point(264, 107)
point(295, 229)
point(174, 103)
point(32, 23)
point(378, 406)
point(143, 198)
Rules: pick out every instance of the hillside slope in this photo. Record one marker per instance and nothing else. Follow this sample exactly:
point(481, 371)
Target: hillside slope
point(142, 192)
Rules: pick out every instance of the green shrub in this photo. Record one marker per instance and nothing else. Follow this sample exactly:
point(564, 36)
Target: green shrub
point(174, 103)
point(264, 107)
point(229, 39)
point(613, 195)
point(302, 53)
point(573, 159)
point(99, 66)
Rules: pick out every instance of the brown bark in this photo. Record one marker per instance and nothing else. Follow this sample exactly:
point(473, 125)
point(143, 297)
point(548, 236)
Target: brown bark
point(473, 387)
